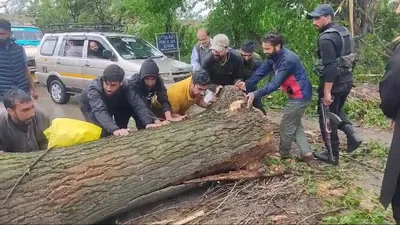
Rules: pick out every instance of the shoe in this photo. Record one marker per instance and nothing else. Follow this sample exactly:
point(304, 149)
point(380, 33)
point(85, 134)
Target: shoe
point(325, 157)
point(353, 140)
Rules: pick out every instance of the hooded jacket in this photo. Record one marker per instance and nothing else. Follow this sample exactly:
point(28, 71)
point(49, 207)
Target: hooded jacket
point(136, 83)
point(98, 108)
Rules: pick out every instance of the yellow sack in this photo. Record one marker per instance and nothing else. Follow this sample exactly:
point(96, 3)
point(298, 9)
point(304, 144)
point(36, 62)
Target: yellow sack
point(65, 132)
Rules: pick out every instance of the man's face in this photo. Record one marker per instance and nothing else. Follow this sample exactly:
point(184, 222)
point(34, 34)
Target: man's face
point(198, 90)
point(111, 87)
point(150, 81)
point(322, 21)
point(93, 46)
point(247, 56)
point(23, 112)
point(203, 38)
point(220, 55)
point(270, 50)
point(4, 35)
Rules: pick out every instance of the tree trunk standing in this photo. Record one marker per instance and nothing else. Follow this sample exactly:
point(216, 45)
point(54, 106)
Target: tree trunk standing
point(87, 183)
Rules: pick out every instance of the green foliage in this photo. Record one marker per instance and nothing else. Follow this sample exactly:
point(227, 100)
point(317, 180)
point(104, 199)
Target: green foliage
point(365, 112)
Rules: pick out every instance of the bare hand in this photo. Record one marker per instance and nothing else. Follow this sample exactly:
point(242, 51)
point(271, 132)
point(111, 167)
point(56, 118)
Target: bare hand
point(153, 125)
point(328, 99)
point(177, 119)
point(34, 94)
point(121, 132)
point(218, 89)
point(165, 122)
point(241, 85)
point(250, 99)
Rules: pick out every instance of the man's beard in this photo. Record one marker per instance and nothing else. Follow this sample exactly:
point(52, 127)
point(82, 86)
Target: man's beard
point(270, 56)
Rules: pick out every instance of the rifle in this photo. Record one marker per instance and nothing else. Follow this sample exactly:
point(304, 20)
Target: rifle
point(328, 118)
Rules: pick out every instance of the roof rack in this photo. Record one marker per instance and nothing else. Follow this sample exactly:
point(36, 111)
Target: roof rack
point(85, 27)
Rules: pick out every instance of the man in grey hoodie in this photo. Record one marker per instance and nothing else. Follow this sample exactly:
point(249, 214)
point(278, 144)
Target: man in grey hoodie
point(109, 103)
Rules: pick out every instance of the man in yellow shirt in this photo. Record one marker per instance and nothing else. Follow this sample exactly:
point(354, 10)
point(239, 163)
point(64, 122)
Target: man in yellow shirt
point(184, 94)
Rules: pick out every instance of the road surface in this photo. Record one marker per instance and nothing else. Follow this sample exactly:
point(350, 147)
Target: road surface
point(53, 110)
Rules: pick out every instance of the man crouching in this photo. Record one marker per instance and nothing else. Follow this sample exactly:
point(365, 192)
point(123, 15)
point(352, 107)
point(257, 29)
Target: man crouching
point(109, 96)
point(149, 85)
point(22, 126)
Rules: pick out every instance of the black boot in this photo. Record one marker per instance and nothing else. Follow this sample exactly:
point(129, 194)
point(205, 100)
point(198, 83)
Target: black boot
point(325, 156)
point(353, 140)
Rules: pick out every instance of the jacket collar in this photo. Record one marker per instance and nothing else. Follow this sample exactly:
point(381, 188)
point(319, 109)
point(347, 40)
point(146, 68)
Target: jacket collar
point(329, 25)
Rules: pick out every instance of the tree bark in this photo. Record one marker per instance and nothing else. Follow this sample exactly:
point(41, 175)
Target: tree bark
point(87, 183)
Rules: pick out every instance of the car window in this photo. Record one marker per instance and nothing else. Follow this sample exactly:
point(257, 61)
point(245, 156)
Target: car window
point(95, 50)
point(72, 48)
point(48, 47)
point(134, 48)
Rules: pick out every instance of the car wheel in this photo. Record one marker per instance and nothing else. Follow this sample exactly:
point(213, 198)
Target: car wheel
point(58, 92)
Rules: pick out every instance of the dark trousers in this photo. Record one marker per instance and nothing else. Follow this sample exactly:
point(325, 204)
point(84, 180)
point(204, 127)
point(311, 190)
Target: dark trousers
point(337, 108)
point(396, 203)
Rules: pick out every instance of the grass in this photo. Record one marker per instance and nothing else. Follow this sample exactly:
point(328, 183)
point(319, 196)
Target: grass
point(338, 188)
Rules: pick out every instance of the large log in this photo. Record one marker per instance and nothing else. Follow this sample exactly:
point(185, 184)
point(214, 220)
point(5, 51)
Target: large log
point(89, 182)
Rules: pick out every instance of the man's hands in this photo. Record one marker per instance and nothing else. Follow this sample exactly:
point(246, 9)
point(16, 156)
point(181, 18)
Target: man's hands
point(241, 85)
point(34, 94)
point(250, 99)
point(177, 118)
point(121, 132)
point(328, 99)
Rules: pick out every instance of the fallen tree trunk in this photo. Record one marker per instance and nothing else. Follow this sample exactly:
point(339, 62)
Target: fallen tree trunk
point(89, 182)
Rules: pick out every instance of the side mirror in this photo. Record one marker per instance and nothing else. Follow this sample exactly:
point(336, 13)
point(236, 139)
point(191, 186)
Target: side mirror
point(107, 54)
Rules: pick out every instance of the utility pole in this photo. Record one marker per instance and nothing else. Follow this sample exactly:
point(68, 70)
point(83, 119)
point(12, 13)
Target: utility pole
point(351, 17)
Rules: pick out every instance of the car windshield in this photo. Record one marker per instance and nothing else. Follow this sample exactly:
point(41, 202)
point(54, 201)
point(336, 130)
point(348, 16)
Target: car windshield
point(134, 48)
point(29, 34)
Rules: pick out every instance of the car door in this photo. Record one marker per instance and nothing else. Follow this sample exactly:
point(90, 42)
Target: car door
point(95, 63)
point(70, 62)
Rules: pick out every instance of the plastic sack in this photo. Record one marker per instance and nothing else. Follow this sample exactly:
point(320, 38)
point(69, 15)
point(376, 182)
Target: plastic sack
point(65, 132)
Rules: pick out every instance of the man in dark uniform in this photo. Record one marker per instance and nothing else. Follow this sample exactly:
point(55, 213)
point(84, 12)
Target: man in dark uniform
point(252, 61)
point(336, 61)
point(390, 105)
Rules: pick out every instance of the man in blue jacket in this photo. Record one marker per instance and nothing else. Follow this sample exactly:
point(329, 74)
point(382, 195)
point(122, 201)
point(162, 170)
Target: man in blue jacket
point(291, 76)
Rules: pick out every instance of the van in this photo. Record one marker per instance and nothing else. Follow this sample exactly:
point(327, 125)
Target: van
point(66, 63)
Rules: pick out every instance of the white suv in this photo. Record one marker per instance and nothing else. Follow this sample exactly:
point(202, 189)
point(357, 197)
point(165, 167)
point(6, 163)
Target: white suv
point(67, 62)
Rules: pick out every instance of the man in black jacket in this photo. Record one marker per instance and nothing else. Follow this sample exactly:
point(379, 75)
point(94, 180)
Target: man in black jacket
point(148, 84)
point(390, 105)
point(108, 97)
point(224, 65)
point(336, 62)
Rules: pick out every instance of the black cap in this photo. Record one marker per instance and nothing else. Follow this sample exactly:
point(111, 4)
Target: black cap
point(5, 25)
point(322, 10)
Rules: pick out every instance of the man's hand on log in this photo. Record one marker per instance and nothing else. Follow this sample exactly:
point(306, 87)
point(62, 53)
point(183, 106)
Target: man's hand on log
point(121, 132)
point(241, 85)
point(218, 89)
point(164, 122)
point(250, 99)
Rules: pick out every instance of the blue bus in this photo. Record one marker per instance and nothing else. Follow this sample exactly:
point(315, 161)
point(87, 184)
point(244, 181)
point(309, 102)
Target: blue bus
point(27, 35)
